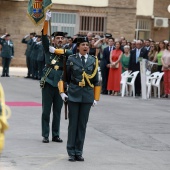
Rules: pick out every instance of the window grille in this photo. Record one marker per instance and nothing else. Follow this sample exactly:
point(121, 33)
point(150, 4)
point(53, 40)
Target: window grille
point(143, 28)
point(66, 22)
point(95, 24)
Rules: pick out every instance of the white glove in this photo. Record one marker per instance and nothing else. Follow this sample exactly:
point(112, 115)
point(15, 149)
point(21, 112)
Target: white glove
point(34, 39)
point(26, 36)
point(64, 97)
point(12, 56)
point(38, 42)
point(48, 15)
point(94, 103)
point(51, 49)
point(3, 36)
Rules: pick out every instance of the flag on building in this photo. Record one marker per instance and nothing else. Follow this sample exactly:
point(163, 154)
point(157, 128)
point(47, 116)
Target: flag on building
point(37, 9)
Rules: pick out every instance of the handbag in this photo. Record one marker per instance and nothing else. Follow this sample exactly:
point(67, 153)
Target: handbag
point(115, 66)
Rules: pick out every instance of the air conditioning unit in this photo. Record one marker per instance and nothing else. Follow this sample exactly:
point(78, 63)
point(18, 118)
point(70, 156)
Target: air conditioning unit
point(160, 22)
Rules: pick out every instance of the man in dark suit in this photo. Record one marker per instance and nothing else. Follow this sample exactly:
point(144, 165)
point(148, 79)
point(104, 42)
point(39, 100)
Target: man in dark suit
point(104, 62)
point(147, 45)
point(134, 64)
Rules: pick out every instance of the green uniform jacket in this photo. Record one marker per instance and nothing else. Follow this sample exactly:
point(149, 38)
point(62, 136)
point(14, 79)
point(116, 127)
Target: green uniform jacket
point(55, 75)
point(29, 43)
point(74, 75)
point(7, 49)
point(40, 56)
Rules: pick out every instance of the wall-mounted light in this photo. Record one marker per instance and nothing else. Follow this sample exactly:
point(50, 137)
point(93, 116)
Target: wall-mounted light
point(169, 8)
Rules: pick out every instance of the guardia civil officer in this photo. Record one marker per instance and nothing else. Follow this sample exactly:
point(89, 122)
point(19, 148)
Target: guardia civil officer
point(7, 53)
point(83, 92)
point(29, 39)
point(54, 59)
point(34, 56)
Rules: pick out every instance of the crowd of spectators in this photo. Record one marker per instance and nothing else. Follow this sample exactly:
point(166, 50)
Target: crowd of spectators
point(116, 55)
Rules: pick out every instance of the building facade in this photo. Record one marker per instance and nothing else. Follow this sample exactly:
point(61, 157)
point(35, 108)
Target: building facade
point(153, 20)
point(128, 18)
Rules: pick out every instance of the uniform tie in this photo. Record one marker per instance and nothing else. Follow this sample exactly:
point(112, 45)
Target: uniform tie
point(83, 60)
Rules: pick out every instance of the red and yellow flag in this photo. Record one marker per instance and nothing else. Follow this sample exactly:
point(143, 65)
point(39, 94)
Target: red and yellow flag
point(37, 9)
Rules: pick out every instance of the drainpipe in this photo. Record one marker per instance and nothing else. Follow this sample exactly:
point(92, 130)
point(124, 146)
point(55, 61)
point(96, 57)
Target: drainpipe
point(169, 21)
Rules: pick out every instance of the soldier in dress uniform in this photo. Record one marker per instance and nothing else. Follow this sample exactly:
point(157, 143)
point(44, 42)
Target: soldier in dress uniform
point(7, 53)
point(40, 60)
point(34, 56)
point(54, 60)
point(83, 92)
point(28, 39)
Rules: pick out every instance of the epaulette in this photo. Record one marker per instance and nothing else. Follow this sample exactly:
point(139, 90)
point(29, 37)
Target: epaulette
point(94, 56)
point(73, 55)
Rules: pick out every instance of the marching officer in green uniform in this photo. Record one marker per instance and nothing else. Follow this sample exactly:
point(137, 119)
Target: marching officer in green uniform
point(53, 71)
point(83, 92)
point(7, 48)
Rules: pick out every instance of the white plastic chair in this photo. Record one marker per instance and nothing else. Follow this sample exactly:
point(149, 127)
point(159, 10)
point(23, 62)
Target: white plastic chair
point(156, 84)
point(132, 83)
point(124, 78)
point(149, 80)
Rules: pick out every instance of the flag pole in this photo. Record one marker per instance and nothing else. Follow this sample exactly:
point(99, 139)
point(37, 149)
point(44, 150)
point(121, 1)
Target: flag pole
point(50, 31)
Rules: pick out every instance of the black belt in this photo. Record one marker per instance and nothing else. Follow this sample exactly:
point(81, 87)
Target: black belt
point(55, 67)
point(79, 83)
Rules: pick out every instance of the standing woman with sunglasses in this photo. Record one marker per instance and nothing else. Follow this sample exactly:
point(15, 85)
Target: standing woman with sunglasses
point(158, 56)
point(151, 55)
point(166, 69)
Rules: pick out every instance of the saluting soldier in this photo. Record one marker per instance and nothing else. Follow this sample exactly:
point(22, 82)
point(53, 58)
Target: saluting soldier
point(83, 92)
point(40, 60)
point(7, 53)
point(54, 60)
point(34, 56)
point(28, 39)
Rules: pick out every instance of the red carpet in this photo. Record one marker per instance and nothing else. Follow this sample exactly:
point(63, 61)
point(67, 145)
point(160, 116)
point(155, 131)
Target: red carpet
point(23, 104)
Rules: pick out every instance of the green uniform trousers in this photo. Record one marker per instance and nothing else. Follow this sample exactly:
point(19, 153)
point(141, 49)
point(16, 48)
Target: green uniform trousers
point(5, 64)
point(78, 118)
point(51, 98)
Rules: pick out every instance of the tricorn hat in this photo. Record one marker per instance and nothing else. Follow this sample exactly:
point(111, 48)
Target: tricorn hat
point(33, 33)
point(38, 36)
point(79, 40)
point(7, 35)
point(58, 33)
point(108, 35)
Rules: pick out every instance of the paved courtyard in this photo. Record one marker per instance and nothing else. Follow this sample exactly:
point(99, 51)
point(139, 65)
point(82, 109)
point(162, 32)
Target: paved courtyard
point(122, 133)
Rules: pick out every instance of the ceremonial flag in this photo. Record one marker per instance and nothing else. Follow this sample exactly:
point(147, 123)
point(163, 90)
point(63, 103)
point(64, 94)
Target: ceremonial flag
point(37, 9)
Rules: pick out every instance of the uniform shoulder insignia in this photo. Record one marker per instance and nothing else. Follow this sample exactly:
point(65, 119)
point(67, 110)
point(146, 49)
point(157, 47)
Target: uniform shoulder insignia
point(73, 55)
point(94, 56)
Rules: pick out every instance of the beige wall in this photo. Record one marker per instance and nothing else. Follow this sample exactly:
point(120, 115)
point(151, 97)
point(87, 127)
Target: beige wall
point(160, 10)
point(95, 3)
point(121, 20)
point(14, 21)
point(145, 7)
